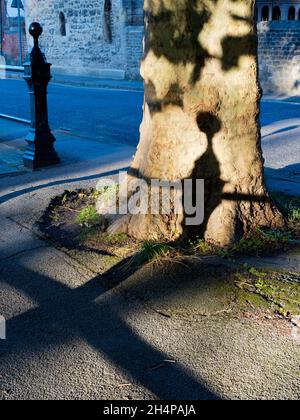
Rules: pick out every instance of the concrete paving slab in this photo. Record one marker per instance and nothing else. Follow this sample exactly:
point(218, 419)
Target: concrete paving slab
point(289, 262)
point(10, 160)
point(16, 239)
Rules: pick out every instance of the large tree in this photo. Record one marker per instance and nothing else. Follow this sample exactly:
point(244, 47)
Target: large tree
point(201, 117)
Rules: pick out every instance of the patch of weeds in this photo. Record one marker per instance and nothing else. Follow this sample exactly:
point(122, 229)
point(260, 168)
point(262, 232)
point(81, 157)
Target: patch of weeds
point(107, 199)
point(86, 233)
point(227, 253)
point(89, 217)
point(151, 251)
point(289, 206)
point(106, 194)
point(116, 239)
point(257, 273)
point(294, 215)
point(112, 260)
point(253, 245)
point(286, 203)
point(261, 241)
point(201, 246)
point(54, 215)
point(277, 235)
point(64, 198)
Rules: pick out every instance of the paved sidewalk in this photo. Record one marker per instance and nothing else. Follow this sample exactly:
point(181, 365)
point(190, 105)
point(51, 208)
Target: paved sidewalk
point(77, 153)
point(10, 160)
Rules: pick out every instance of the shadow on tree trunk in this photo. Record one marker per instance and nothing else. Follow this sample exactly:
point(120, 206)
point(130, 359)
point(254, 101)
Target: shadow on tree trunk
point(201, 118)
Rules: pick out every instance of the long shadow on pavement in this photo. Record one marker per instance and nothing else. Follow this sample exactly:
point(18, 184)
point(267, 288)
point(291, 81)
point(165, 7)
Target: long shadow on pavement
point(64, 313)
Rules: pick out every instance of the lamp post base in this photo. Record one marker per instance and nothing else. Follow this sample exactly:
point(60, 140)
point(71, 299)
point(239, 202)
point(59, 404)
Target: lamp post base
point(40, 151)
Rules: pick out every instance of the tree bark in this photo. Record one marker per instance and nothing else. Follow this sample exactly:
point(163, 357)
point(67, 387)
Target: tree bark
point(201, 118)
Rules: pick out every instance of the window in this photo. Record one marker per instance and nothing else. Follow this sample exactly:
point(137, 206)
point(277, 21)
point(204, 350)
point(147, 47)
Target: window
point(265, 14)
point(107, 24)
point(137, 12)
point(292, 13)
point(276, 13)
point(62, 24)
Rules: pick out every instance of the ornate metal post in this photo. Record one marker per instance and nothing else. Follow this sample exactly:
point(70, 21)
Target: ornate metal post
point(40, 151)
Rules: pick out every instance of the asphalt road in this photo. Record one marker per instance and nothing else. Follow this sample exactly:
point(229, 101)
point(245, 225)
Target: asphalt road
point(90, 112)
point(95, 112)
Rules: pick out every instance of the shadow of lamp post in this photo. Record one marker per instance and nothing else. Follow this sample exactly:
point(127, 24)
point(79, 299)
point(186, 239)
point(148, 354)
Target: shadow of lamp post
point(40, 151)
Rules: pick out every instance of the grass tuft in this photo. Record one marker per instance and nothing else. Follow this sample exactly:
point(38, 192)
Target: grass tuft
point(150, 252)
point(89, 217)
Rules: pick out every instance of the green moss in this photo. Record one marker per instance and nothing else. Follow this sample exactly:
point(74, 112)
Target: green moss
point(286, 295)
point(246, 298)
point(269, 291)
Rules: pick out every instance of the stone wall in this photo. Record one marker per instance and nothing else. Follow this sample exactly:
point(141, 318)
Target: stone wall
point(279, 57)
point(134, 50)
point(86, 48)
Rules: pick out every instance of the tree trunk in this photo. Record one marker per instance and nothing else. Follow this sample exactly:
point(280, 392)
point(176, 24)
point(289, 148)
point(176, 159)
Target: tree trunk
point(201, 118)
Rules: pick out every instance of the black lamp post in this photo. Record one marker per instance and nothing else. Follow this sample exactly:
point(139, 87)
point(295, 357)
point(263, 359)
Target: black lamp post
point(40, 151)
